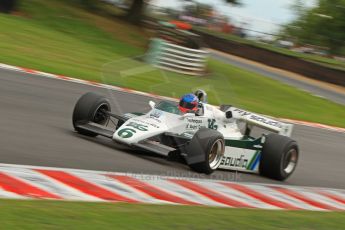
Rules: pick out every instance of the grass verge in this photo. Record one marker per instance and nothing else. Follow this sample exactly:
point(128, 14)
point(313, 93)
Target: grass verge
point(58, 37)
point(62, 38)
point(16, 214)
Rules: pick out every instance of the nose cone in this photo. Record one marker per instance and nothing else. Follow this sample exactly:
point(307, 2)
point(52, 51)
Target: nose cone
point(137, 129)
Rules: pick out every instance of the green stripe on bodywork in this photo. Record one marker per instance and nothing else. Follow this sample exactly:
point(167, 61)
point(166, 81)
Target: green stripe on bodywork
point(253, 160)
point(138, 114)
point(245, 143)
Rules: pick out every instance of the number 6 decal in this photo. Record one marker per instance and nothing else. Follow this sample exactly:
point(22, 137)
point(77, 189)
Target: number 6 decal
point(126, 132)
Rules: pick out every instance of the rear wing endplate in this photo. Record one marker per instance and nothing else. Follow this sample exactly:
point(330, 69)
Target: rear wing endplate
point(260, 121)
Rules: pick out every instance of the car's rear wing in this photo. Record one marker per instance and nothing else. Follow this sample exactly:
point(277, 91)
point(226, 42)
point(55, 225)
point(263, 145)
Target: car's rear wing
point(260, 121)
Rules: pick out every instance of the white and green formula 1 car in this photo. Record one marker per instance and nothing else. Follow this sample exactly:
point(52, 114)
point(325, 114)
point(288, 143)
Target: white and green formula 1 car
point(207, 140)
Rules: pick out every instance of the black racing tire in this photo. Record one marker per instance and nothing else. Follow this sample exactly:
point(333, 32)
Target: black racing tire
point(206, 144)
point(279, 157)
point(89, 108)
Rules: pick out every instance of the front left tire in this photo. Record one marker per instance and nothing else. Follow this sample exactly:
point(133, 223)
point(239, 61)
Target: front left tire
point(90, 108)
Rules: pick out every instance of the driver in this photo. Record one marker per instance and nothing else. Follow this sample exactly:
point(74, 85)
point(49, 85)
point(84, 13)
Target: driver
point(188, 103)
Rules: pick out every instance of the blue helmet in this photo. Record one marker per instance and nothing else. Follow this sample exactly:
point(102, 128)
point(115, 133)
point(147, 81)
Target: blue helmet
point(188, 102)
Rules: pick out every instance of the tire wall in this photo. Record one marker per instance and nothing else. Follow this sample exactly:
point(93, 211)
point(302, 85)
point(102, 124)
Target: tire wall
point(274, 59)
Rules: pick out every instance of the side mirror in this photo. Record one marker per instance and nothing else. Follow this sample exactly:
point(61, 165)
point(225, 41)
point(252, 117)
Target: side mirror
point(152, 104)
point(228, 114)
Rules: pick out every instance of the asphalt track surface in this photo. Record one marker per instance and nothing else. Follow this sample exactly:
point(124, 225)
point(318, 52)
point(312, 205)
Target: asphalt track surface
point(36, 129)
point(311, 88)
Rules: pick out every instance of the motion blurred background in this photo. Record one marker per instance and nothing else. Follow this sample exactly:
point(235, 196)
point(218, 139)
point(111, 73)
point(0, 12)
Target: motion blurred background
point(81, 38)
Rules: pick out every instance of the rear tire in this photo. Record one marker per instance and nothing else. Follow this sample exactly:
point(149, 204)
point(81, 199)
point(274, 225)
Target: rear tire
point(89, 108)
point(205, 151)
point(279, 157)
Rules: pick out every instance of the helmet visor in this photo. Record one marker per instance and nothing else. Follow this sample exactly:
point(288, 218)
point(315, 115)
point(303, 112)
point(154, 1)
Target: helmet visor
point(188, 105)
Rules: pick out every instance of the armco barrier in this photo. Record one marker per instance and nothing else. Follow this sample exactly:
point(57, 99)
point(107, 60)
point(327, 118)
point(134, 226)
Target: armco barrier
point(165, 55)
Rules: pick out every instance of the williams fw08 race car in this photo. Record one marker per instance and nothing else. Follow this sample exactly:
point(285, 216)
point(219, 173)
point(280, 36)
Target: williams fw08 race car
point(208, 139)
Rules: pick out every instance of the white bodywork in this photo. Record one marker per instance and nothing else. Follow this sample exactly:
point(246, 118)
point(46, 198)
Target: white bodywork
point(155, 122)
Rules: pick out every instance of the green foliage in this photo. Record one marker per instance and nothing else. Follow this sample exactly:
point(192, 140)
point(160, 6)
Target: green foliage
point(7, 6)
point(89, 4)
point(203, 10)
point(198, 10)
point(323, 25)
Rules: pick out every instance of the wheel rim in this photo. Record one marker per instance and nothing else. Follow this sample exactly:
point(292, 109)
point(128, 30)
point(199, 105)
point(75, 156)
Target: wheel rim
point(290, 161)
point(216, 154)
point(100, 117)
